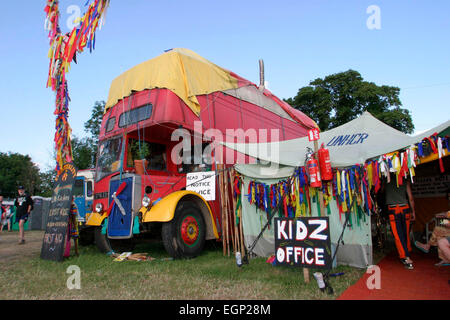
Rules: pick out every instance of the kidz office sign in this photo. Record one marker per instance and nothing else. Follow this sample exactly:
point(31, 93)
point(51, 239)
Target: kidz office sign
point(303, 242)
point(349, 139)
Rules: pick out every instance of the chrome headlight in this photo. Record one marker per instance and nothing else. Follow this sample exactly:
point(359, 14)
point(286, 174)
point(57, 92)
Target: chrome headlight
point(146, 201)
point(98, 207)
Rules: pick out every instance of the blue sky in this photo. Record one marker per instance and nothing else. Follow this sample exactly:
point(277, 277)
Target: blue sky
point(298, 40)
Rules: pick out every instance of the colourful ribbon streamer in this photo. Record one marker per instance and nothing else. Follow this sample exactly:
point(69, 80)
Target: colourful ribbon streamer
point(63, 50)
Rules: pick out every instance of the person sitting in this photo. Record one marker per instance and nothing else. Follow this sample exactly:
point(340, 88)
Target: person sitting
point(444, 247)
point(440, 232)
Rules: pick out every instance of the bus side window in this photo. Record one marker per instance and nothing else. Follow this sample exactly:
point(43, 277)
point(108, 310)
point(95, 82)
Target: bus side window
point(89, 188)
point(157, 158)
point(194, 165)
point(155, 154)
point(78, 188)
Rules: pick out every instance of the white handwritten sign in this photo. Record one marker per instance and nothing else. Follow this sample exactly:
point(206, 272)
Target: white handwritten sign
point(204, 183)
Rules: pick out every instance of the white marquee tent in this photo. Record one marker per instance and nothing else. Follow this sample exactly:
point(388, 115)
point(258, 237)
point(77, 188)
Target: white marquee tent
point(352, 143)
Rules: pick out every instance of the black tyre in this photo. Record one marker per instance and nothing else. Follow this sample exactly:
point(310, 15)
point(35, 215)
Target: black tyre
point(184, 236)
point(106, 245)
point(87, 236)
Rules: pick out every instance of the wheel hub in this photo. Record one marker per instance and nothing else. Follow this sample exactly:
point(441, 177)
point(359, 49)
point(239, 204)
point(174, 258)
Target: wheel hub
point(189, 230)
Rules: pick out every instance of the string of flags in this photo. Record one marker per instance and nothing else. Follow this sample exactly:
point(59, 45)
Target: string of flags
point(63, 50)
point(434, 145)
point(350, 187)
point(300, 198)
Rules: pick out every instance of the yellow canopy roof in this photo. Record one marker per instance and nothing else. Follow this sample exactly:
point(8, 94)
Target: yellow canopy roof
point(180, 70)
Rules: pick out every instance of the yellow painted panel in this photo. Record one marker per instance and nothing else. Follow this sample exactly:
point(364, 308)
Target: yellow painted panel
point(164, 210)
point(95, 219)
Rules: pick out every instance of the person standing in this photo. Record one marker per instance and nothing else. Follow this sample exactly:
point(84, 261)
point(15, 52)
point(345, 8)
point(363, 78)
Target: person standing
point(400, 209)
point(5, 214)
point(24, 205)
point(2, 214)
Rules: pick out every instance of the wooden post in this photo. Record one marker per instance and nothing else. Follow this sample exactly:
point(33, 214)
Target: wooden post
point(241, 231)
point(236, 233)
point(306, 275)
point(222, 207)
point(227, 210)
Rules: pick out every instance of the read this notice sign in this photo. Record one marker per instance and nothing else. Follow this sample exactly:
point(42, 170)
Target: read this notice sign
point(204, 183)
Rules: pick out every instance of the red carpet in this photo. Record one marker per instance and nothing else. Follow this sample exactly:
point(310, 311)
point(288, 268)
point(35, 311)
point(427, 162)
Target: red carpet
point(425, 282)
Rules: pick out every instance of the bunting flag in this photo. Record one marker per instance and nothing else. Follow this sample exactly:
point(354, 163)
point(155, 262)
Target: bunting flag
point(63, 50)
point(434, 145)
point(349, 187)
point(297, 201)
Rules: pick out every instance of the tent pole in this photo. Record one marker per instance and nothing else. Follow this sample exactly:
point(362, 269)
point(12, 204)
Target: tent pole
point(236, 233)
point(227, 210)
point(273, 213)
point(220, 168)
point(227, 234)
point(341, 239)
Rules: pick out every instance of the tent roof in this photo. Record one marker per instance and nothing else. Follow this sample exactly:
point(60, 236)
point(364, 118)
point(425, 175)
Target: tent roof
point(354, 142)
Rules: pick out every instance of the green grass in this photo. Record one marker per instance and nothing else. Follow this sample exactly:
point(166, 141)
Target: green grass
point(209, 276)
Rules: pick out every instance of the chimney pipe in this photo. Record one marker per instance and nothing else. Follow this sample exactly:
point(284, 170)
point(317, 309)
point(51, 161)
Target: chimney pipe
point(261, 75)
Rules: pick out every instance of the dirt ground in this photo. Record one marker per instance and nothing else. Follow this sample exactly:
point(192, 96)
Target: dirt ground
point(10, 250)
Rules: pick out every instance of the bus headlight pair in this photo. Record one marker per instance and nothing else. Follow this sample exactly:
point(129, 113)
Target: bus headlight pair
point(146, 202)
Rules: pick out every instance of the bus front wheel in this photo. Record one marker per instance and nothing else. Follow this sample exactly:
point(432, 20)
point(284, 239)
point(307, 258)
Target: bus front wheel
point(184, 235)
point(106, 245)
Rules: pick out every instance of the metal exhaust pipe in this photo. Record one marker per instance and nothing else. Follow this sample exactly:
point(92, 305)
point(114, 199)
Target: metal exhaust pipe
point(261, 75)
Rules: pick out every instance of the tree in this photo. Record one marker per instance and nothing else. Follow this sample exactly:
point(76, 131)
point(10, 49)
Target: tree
point(342, 97)
point(15, 170)
point(48, 179)
point(83, 151)
point(92, 126)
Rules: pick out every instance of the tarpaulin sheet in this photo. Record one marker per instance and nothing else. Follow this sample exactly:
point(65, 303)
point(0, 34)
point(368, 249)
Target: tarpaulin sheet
point(182, 71)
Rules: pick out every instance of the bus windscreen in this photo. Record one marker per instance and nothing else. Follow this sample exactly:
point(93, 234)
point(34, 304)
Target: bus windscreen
point(108, 159)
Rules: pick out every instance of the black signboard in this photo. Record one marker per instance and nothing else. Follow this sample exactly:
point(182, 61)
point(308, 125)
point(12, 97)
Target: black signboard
point(58, 216)
point(303, 242)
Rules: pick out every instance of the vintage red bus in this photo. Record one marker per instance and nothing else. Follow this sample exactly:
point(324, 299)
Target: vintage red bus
point(147, 107)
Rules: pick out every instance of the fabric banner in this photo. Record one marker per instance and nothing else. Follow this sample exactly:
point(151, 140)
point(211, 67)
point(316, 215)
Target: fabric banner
point(356, 252)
